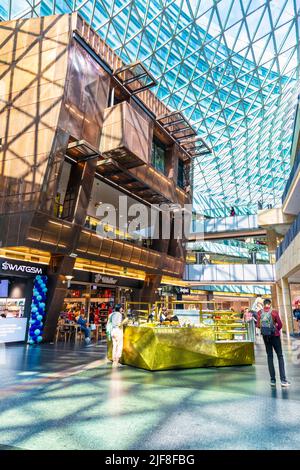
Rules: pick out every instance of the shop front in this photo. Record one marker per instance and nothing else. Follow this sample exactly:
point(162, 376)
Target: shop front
point(94, 295)
point(16, 290)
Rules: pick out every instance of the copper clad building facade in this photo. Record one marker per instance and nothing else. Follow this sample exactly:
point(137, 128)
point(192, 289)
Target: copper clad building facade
point(69, 123)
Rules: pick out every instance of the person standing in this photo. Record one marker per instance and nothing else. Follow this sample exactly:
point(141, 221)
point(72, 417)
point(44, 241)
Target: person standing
point(249, 319)
point(269, 322)
point(232, 212)
point(296, 314)
point(116, 332)
point(258, 304)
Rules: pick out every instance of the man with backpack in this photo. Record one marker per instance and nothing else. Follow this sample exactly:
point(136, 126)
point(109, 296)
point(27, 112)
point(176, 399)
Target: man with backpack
point(269, 322)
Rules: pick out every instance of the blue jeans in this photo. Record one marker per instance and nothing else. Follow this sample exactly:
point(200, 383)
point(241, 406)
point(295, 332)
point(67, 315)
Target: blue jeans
point(86, 331)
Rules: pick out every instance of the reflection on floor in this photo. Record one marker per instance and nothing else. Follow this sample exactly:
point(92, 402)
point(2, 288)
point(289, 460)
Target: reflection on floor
point(62, 397)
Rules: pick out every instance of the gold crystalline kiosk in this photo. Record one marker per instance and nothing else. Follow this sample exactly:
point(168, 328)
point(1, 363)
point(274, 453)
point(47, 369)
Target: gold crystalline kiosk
point(201, 338)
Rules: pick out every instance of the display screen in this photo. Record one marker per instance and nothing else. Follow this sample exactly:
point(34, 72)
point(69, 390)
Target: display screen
point(12, 329)
point(4, 288)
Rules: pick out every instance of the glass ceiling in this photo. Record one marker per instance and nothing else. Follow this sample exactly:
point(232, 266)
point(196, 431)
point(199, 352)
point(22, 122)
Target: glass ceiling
point(232, 67)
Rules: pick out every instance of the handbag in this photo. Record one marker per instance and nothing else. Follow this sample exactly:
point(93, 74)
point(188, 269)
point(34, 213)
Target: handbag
point(108, 328)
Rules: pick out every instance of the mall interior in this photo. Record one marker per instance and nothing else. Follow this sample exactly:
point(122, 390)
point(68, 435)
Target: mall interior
point(150, 158)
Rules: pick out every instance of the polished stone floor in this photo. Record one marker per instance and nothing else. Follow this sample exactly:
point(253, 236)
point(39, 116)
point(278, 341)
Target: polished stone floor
point(62, 397)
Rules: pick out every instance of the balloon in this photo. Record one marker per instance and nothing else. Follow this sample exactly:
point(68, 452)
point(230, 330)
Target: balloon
point(39, 317)
point(37, 332)
point(31, 341)
point(39, 339)
point(39, 297)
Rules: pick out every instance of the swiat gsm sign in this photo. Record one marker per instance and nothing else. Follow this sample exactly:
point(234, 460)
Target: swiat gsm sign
point(10, 267)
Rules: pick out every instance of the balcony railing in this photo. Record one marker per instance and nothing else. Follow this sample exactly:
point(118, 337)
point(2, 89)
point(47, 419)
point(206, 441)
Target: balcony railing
point(230, 273)
point(95, 224)
point(294, 171)
point(289, 237)
point(225, 224)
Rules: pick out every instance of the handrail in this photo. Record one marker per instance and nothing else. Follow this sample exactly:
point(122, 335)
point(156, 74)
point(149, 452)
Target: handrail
point(224, 224)
point(291, 234)
point(294, 170)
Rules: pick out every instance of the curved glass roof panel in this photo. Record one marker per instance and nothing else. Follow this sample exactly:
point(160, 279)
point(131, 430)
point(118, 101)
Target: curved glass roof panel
point(231, 66)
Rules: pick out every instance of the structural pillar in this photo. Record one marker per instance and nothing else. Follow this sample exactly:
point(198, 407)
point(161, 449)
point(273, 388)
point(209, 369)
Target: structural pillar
point(285, 306)
point(274, 297)
point(60, 266)
point(149, 289)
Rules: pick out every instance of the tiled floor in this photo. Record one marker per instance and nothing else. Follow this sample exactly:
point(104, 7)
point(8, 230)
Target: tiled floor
point(59, 397)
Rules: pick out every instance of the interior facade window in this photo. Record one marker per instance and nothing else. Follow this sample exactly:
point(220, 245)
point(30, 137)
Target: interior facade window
point(158, 155)
point(180, 177)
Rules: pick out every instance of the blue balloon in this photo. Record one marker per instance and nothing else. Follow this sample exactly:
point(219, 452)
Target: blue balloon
point(39, 297)
point(31, 341)
point(37, 332)
point(39, 339)
point(39, 317)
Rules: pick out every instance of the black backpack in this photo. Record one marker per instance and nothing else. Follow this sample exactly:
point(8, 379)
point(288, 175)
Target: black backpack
point(267, 326)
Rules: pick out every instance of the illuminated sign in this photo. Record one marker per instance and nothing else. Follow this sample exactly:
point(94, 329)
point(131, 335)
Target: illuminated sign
point(100, 278)
point(13, 266)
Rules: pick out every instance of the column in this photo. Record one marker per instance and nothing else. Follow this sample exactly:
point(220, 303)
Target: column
point(151, 284)
point(285, 307)
point(274, 296)
point(59, 267)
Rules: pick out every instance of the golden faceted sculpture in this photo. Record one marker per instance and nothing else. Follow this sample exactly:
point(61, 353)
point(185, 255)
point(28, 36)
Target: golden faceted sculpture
point(162, 348)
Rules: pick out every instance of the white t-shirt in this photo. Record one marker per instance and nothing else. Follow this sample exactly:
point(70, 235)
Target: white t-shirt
point(116, 319)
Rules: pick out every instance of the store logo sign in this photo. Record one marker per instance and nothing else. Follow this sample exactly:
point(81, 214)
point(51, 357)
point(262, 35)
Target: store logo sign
point(21, 268)
point(184, 290)
point(105, 279)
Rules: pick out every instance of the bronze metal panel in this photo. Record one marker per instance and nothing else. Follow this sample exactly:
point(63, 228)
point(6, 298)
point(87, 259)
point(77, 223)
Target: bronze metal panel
point(33, 70)
point(125, 135)
point(86, 96)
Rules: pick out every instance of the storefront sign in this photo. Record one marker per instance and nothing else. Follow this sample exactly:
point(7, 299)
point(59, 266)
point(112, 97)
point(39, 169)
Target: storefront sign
point(183, 290)
point(15, 267)
point(101, 279)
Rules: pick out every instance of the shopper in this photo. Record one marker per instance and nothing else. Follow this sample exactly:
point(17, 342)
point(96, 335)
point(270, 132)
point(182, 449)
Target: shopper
point(269, 322)
point(249, 319)
point(296, 314)
point(232, 212)
point(162, 314)
point(171, 318)
point(258, 304)
point(151, 315)
point(116, 322)
point(81, 320)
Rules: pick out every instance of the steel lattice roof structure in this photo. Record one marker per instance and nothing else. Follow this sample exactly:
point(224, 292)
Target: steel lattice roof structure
point(231, 66)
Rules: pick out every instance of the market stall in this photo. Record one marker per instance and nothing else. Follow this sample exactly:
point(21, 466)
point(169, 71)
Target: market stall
point(214, 339)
